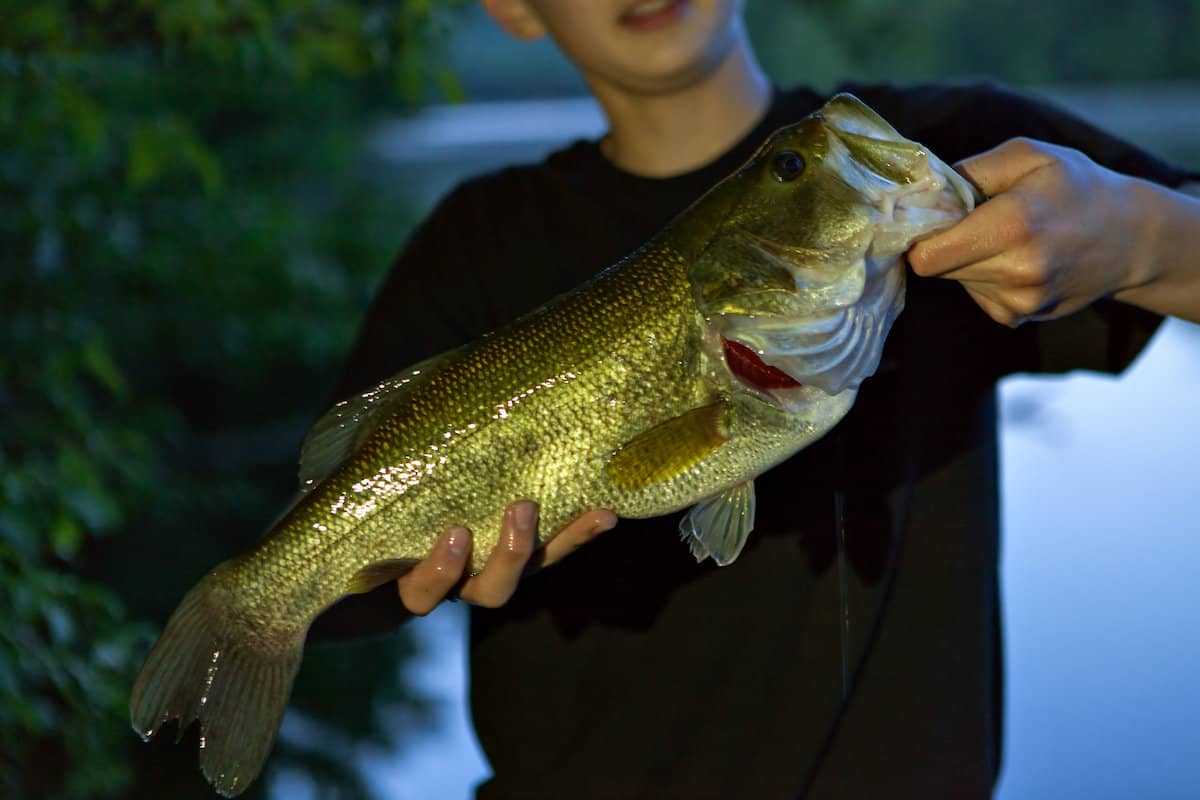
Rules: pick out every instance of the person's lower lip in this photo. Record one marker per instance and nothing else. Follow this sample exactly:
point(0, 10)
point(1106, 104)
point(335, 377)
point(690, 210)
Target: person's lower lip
point(669, 13)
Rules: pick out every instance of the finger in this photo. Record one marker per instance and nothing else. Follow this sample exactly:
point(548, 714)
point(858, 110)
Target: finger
point(574, 536)
point(994, 309)
point(1004, 166)
point(1051, 310)
point(1017, 306)
point(1002, 224)
point(498, 579)
point(1024, 267)
point(426, 584)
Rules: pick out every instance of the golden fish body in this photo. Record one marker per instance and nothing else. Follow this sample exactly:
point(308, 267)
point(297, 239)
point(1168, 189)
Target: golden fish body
point(734, 338)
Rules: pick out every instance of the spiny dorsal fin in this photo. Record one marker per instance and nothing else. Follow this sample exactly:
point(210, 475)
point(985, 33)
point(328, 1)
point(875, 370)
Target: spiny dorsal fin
point(719, 526)
point(337, 435)
point(667, 449)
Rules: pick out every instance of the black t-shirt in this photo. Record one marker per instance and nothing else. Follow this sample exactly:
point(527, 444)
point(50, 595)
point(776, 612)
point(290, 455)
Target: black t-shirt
point(629, 671)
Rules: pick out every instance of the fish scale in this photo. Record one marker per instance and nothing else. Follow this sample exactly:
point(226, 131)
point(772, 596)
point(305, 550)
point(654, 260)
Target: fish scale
point(555, 431)
point(615, 395)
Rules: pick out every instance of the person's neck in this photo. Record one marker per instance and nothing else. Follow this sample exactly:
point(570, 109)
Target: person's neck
point(672, 133)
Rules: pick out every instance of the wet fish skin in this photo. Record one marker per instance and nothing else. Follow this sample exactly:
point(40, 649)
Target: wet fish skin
point(615, 395)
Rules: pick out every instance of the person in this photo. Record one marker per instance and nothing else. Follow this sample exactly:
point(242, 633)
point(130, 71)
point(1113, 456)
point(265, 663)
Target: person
point(631, 671)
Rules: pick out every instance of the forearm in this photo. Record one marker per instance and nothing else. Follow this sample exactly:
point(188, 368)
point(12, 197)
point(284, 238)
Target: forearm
point(1167, 280)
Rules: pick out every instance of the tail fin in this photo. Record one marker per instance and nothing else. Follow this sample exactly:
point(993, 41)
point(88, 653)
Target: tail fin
point(210, 666)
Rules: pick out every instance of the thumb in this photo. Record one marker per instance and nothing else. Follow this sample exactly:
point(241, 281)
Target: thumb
point(1002, 167)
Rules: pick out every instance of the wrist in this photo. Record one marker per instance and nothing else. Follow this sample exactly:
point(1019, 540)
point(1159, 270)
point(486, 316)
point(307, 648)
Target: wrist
point(1148, 207)
point(1164, 273)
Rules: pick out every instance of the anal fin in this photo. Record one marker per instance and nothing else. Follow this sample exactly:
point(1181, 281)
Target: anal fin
point(719, 526)
point(378, 573)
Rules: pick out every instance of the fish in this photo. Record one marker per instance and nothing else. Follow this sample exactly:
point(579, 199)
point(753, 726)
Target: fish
point(735, 337)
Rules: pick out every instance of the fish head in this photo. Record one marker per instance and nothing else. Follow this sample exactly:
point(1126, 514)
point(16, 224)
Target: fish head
point(803, 276)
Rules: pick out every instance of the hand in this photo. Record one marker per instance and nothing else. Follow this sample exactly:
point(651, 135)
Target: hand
point(1059, 232)
point(430, 581)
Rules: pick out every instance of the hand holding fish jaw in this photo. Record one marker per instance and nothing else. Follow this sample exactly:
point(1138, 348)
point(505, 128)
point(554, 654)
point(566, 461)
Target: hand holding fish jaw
point(1059, 232)
point(432, 580)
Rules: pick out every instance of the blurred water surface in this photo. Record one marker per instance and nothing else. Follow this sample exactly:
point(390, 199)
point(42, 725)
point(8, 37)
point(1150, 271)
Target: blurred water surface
point(1101, 599)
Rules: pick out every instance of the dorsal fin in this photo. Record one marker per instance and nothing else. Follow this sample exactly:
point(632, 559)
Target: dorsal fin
point(341, 431)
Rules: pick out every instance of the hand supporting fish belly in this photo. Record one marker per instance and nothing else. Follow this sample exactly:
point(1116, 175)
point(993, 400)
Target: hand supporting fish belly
point(734, 338)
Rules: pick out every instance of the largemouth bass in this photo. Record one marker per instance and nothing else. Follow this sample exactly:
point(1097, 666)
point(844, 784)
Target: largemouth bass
point(735, 337)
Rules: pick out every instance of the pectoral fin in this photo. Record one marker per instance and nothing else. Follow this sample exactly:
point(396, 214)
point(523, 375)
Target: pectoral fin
point(719, 526)
point(378, 573)
point(667, 449)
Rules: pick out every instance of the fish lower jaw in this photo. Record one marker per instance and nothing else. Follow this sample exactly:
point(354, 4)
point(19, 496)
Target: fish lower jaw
point(907, 226)
point(931, 205)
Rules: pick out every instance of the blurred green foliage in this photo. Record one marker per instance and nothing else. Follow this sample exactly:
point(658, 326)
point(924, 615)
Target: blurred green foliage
point(824, 42)
point(188, 240)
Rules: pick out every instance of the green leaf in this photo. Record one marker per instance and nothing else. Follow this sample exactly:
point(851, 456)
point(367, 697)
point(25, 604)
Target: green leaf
point(202, 161)
point(169, 143)
point(99, 363)
point(84, 119)
point(147, 155)
point(450, 85)
point(343, 54)
point(65, 536)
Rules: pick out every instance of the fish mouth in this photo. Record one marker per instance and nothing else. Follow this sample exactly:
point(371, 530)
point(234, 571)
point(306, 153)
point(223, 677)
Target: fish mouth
point(923, 196)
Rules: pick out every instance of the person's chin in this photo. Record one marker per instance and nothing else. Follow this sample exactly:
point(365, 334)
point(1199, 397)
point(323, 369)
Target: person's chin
point(671, 72)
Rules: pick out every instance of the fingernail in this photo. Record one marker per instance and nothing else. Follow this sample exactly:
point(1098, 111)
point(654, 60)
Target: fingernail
point(601, 527)
point(523, 515)
point(456, 542)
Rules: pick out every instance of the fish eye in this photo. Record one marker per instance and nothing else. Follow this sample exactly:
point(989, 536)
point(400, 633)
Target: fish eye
point(788, 165)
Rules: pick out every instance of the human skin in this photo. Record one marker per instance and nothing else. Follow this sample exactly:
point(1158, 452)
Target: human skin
point(1059, 231)
point(676, 95)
